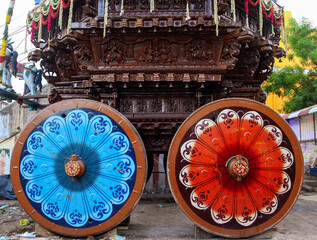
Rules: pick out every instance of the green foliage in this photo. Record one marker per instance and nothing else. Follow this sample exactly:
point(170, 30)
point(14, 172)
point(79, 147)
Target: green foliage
point(299, 85)
point(302, 38)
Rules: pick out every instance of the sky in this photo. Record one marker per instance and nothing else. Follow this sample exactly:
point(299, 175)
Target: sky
point(299, 9)
point(302, 8)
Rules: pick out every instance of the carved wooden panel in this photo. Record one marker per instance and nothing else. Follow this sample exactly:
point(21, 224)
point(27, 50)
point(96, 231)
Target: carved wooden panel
point(83, 55)
point(167, 50)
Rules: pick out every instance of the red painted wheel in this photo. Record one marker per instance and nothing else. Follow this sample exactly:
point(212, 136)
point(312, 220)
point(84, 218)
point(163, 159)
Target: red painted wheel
point(235, 167)
point(78, 168)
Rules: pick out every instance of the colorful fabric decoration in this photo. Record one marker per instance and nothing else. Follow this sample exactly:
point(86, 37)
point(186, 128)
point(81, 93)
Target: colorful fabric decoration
point(4, 42)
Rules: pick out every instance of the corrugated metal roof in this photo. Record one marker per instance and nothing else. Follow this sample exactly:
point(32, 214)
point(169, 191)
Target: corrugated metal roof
point(302, 112)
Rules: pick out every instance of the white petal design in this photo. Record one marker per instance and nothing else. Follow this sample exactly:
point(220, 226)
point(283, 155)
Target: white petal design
point(56, 130)
point(54, 206)
point(76, 213)
point(33, 166)
point(39, 144)
point(117, 144)
point(228, 123)
point(98, 130)
point(77, 122)
point(100, 208)
point(37, 190)
point(120, 168)
point(207, 131)
point(195, 152)
point(116, 192)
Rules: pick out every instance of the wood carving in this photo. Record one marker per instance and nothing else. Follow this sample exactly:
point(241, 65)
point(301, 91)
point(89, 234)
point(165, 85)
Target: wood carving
point(230, 53)
point(82, 53)
point(250, 61)
point(112, 52)
point(266, 64)
point(48, 64)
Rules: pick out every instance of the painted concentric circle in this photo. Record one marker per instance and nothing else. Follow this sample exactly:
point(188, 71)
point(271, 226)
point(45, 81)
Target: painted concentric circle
point(72, 168)
point(260, 186)
point(111, 152)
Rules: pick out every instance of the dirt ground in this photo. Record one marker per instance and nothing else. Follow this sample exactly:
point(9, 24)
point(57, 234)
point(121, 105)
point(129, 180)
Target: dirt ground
point(163, 219)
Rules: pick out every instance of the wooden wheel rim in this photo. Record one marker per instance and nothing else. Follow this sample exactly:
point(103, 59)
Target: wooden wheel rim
point(132, 159)
point(180, 165)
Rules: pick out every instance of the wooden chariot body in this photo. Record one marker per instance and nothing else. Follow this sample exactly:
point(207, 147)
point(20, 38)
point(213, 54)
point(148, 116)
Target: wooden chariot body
point(157, 67)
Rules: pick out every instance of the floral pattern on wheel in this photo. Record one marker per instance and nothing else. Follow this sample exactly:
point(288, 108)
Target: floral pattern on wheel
point(212, 186)
point(109, 162)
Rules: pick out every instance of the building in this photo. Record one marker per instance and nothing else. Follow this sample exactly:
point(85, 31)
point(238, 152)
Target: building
point(304, 125)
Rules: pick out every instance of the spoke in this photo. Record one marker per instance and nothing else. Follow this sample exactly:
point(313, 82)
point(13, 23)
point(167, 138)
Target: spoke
point(245, 210)
point(207, 132)
point(194, 175)
point(98, 131)
point(222, 210)
point(204, 195)
point(251, 126)
point(116, 144)
point(278, 159)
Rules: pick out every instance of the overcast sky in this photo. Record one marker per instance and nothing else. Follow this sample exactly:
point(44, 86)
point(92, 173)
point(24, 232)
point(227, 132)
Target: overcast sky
point(306, 8)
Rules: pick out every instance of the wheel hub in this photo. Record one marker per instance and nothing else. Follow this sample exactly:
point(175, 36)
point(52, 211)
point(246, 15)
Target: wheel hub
point(75, 168)
point(238, 167)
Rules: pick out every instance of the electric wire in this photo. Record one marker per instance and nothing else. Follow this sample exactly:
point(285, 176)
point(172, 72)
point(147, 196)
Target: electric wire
point(16, 18)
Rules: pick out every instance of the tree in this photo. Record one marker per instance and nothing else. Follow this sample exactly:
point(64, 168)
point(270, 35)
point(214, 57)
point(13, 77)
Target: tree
point(298, 83)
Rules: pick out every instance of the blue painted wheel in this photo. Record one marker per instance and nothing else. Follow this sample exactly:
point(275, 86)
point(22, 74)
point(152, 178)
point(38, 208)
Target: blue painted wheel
point(78, 168)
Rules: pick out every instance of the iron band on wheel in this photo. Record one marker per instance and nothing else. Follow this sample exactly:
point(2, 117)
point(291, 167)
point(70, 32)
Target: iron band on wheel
point(78, 168)
point(235, 167)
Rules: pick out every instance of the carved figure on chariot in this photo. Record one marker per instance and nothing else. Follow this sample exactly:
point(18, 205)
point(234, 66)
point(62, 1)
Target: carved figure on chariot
point(9, 67)
point(28, 72)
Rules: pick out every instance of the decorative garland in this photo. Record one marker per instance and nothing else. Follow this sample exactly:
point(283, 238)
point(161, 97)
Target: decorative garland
point(246, 5)
point(233, 10)
point(260, 18)
point(60, 19)
point(70, 15)
point(49, 19)
point(152, 6)
point(39, 35)
point(268, 9)
point(283, 31)
point(4, 42)
point(105, 18)
point(121, 9)
point(216, 20)
point(44, 17)
point(187, 11)
point(55, 8)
